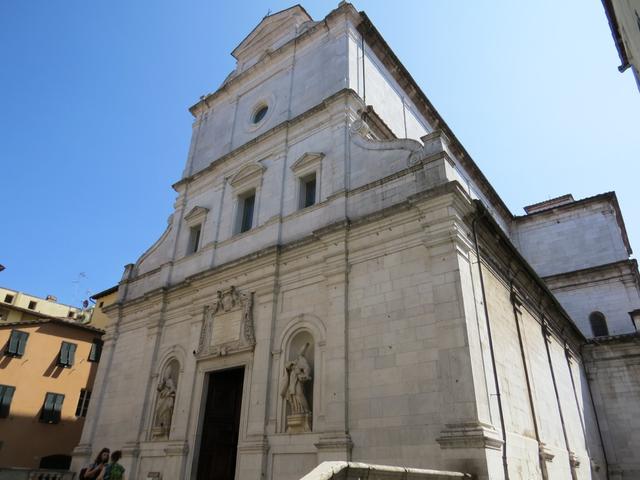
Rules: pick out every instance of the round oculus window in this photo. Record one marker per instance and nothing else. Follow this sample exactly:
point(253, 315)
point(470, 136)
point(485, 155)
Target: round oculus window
point(260, 113)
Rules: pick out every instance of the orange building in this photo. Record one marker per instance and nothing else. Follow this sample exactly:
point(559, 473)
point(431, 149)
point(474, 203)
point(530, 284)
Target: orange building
point(47, 370)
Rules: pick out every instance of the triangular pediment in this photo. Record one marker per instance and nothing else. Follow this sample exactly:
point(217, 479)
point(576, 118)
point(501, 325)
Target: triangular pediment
point(273, 31)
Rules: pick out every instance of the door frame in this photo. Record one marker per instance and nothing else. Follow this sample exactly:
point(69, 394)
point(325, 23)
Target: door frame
point(199, 403)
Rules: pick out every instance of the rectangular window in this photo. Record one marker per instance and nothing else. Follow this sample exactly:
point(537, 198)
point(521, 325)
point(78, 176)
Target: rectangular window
point(96, 350)
point(83, 403)
point(32, 305)
point(6, 394)
point(246, 211)
point(52, 408)
point(8, 298)
point(194, 239)
point(17, 343)
point(67, 354)
point(70, 314)
point(308, 191)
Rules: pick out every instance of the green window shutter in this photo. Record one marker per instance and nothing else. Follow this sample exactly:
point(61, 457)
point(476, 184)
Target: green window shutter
point(85, 407)
point(6, 395)
point(96, 351)
point(72, 354)
point(57, 407)
point(22, 342)
point(62, 360)
point(80, 403)
point(13, 343)
point(47, 409)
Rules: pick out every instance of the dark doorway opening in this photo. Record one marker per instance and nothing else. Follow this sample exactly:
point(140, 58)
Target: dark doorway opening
point(56, 462)
point(221, 425)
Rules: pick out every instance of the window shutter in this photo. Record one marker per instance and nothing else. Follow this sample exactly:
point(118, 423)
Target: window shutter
point(22, 342)
point(72, 354)
point(63, 354)
point(80, 403)
point(57, 408)
point(47, 410)
point(6, 395)
point(85, 407)
point(13, 342)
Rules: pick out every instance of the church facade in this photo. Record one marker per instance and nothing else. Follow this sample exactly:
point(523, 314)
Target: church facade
point(339, 281)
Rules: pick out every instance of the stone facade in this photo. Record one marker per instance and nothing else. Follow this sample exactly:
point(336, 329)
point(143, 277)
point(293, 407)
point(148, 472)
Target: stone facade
point(390, 321)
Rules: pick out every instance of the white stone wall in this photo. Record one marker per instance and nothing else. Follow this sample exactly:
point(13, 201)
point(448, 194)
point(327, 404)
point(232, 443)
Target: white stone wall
point(569, 239)
point(613, 370)
point(613, 297)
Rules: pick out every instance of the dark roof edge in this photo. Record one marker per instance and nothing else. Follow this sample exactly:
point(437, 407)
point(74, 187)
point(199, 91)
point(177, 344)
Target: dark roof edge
point(615, 33)
point(104, 293)
point(375, 40)
point(57, 321)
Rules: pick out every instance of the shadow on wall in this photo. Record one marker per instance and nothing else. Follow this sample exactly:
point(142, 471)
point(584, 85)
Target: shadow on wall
point(26, 442)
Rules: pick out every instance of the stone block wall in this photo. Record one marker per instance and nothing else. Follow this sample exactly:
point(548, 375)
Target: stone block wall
point(613, 369)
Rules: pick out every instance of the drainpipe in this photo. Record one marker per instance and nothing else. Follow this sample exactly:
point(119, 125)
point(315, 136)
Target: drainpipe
point(517, 304)
point(545, 337)
point(493, 355)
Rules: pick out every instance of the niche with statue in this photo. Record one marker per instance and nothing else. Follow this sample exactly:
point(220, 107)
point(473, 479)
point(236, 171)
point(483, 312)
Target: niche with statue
point(296, 386)
point(165, 401)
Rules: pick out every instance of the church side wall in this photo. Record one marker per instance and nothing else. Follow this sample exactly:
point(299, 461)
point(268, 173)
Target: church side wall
point(570, 239)
point(523, 443)
point(613, 369)
point(613, 297)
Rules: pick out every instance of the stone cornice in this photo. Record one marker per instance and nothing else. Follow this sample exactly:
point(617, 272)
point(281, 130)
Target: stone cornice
point(599, 273)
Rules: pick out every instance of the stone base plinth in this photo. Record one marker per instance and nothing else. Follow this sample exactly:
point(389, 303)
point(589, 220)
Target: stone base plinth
point(299, 423)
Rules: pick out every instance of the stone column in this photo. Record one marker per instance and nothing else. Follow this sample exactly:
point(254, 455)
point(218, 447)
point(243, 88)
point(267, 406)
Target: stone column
point(334, 442)
point(253, 447)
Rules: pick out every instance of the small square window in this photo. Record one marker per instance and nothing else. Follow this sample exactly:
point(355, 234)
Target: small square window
point(32, 305)
point(194, 239)
point(17, 343)
point(6, 395)
point(101, 304)
point(83, 403)
point(70, 314)
point(8, 298)
point(67, 354)
point(52, 408)
point(245, 212)
point(308, 191)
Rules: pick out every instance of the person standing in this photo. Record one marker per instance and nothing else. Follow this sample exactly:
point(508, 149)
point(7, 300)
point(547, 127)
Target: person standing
point(113, 471)
point(96, 468)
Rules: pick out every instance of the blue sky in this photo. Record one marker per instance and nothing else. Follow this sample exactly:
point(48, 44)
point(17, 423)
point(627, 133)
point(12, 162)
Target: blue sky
point(94, 126)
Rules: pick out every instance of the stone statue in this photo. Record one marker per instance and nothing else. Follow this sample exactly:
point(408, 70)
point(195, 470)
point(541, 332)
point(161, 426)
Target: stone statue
point(297, 373)
point(164, 406)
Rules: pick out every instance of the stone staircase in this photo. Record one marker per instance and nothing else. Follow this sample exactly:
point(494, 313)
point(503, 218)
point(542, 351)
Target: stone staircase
point(367, 471)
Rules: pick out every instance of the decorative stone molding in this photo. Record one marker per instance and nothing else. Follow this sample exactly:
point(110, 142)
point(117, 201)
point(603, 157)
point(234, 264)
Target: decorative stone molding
point(256, 446)
point(469, 435)
point(227, 325)
point(307, 163)
point(249, 176)
point(196, 215)
point(177, 449)
point(545, 453)
point(336, 442)
point(131, 449)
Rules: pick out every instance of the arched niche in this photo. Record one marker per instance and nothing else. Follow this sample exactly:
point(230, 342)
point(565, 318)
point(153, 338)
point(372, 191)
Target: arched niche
point(166, 391)
point(299, 363)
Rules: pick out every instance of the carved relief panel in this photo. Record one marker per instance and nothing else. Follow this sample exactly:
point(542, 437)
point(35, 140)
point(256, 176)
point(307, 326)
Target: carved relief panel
point(227, 326)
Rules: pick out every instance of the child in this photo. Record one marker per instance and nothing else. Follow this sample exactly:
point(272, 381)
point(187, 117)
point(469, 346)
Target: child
point(113, 471)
